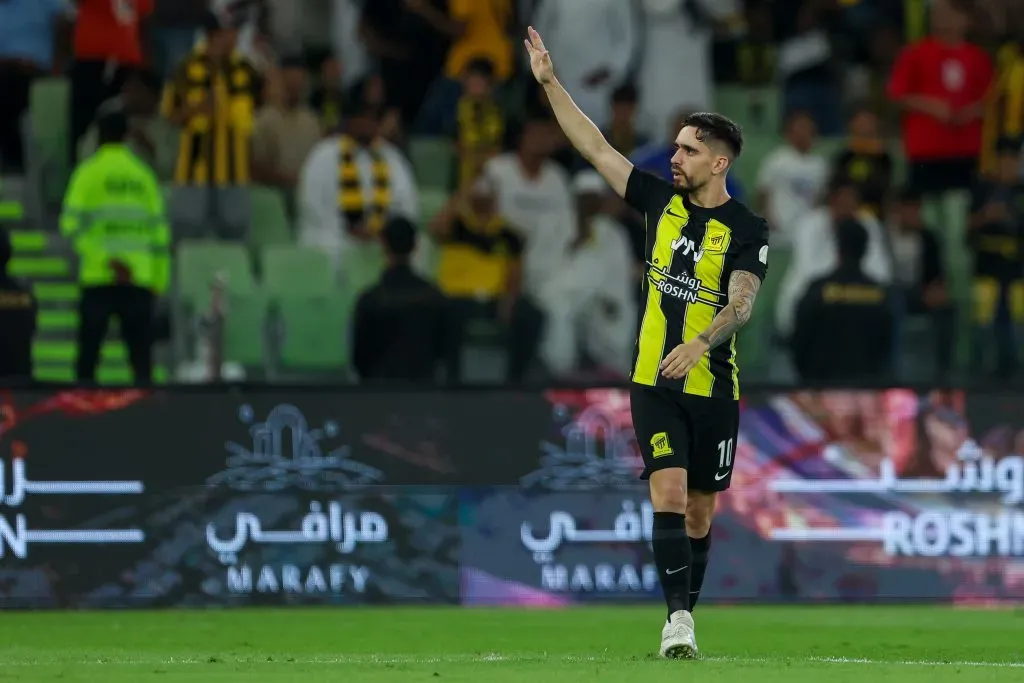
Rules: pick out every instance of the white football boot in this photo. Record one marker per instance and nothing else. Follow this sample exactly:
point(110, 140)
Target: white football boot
point(677, 638)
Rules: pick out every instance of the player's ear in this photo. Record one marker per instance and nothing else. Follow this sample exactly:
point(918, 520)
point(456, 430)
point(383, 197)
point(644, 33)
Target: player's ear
point(721, 164)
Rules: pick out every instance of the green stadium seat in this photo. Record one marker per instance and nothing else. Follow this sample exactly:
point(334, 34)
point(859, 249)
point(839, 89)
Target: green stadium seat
point(294, 270)
point(433, 162)
point(432, 200)
point(740, 103)
point(361, 267)
point(315, 334)
point(270, 222)
point(245, 329)
point(199, 261)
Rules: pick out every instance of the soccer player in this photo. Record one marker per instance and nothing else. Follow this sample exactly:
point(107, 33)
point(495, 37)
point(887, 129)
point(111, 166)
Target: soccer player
point(706, 257)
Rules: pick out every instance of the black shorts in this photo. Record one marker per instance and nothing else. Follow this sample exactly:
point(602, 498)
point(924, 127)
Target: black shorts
point(695, 433)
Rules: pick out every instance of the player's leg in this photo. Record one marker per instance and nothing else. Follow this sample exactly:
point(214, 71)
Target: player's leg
point(700, 509)
point(664, 439)
point(711, 468)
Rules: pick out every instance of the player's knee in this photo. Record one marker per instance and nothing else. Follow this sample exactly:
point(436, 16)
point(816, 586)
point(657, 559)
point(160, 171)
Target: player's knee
point(700, 509)
point(668, 490)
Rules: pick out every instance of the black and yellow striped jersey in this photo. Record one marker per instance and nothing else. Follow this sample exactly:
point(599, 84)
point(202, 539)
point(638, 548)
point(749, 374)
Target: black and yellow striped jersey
point(691, 252)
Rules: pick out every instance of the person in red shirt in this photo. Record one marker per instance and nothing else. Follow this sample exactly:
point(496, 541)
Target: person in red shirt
point(942, 83)
point(108, 47)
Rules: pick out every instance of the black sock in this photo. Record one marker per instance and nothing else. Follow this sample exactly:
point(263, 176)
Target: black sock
point(672, 557)
point(701, 548)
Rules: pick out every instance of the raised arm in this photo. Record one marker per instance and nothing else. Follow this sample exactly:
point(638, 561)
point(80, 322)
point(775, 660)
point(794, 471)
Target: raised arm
point(580, 130)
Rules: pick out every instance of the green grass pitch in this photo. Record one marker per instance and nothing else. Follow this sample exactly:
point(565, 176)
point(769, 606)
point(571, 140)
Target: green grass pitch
point(763, 644)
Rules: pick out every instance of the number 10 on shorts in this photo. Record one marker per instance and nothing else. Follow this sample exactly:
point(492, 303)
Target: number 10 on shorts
point(724, 454)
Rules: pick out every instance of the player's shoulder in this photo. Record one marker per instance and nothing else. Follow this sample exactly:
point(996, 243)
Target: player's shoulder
point(743, 222)
point(648, 192)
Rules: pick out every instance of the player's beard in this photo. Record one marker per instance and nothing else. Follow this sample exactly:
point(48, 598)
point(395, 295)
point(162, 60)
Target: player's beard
point(686, 184)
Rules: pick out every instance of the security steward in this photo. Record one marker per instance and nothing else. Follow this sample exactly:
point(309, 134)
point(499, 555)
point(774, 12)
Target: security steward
point(844, 322)
point(114, 216)
point(18, 311)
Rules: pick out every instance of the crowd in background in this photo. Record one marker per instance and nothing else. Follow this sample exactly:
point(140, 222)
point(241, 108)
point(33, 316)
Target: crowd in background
point(923, 102)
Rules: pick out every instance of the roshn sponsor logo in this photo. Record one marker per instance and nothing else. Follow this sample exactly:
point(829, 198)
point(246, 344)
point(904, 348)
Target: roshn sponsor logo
point(929, 530)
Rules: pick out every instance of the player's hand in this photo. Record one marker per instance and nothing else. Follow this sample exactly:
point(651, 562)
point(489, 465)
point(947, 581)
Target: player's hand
point(540, 59)
point(683, 358)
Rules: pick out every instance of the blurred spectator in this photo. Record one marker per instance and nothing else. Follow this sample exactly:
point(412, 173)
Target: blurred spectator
point(353, 183)
point(656, 157)
point(792, 179)
point(350, 48)
point(676, 57)
point(815, 254)
point(249, 17)
point(328, 99)
point(108, 47)
point(757, 58)
point(590, 307)
point(176, 23)
point(918, 265)
point(18, 311)
point(401, 327)
point(150, 136)
point(868, 83)
point(806, 68)
point(1004, 115)
point(481, 270)
point(941, 83)
point(30, 47)
point(843, 330)
point(212, 98)
point(596, 41)
point(996, 236)
point(114, 215)
point(534, 195)
point(477, 125)
point(865, 161)
point(409, 39)
point(483, 33)
point(621, 131)
point(286, 130)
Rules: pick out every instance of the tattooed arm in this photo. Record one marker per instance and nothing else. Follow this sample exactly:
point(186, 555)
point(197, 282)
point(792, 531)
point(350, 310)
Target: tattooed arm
point(743, 288)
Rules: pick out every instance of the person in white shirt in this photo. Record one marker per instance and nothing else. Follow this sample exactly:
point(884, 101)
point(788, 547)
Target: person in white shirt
point(676, 58)
point(535, 197)
point(599, 41)
point(815, 253)
point(589, 305)
point(791, 180)
point(349, 48)
point(351, 184)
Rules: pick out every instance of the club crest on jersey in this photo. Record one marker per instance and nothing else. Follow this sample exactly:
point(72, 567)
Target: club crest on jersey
point(717, 238)
point(660, 446)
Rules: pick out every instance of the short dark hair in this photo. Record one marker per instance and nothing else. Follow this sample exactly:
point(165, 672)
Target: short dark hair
point(480, 66)
point(399, 237)
point(112, 121)
point(626, 94)
point(851, 241)
point(715, 127)
point(5, 250)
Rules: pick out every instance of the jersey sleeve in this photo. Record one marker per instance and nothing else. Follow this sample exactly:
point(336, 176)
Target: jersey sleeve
point(647, 193)
point(753, 255)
